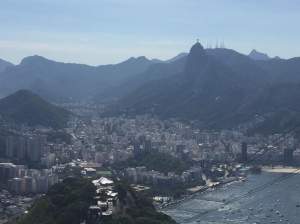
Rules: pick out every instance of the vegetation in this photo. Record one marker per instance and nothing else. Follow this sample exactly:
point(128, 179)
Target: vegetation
point(65, 203)
point(134, 208)
point(68, 203)
point(25, 107)
point(158, 161)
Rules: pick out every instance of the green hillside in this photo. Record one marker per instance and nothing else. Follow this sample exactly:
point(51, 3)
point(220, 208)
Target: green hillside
point(68, 203)
point(25, 107)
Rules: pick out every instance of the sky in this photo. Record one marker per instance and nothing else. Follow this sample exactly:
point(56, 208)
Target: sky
point(109, 31)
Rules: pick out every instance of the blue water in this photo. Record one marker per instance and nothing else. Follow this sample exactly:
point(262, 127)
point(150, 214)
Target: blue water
point(273, 198)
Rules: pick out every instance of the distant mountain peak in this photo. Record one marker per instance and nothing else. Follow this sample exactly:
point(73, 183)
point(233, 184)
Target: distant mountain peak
point(256, 55)
point(34, 59)
point(277, 58)
point(196, 59)
point(138, 58)
point(134, 60)
point(142, 58)
point(24, 92)
point(177, 57)
point(197, 50)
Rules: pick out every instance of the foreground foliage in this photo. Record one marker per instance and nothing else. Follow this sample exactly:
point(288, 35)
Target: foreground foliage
point(135, 208)
point(158, 161)
point(66, 202)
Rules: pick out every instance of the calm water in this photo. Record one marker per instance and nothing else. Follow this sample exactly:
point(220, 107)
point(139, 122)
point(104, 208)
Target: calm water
point(274, 200)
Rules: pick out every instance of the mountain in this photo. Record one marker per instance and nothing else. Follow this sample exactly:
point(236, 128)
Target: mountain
point(250, 71)
point(124, 70)
point(281, 70)
point(255, 55)
point(4, 65)
point(177, 57)
point(67, 81)
point(247, 69)
point(25, 107)
point(206, 90)
point(278, 106)
point(221, 88)
point(216, 87)
point(155, 71)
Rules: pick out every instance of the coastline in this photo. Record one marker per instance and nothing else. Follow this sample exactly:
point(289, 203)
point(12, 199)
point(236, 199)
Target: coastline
point(203, 189)
point(280, 169)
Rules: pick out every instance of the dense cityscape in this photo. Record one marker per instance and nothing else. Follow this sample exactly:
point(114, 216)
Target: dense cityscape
point(168, 159)
point(149, 112)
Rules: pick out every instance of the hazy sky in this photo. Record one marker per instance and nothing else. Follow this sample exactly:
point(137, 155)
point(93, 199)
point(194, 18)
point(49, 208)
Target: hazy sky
point(109, 31)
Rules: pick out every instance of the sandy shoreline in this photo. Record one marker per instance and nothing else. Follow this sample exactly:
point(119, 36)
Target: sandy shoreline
point(280, 169)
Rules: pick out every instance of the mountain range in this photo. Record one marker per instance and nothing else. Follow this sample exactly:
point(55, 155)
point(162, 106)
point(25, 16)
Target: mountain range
point(220, 88)
point(217, 88)
point(58, 81)
point(25, 107)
